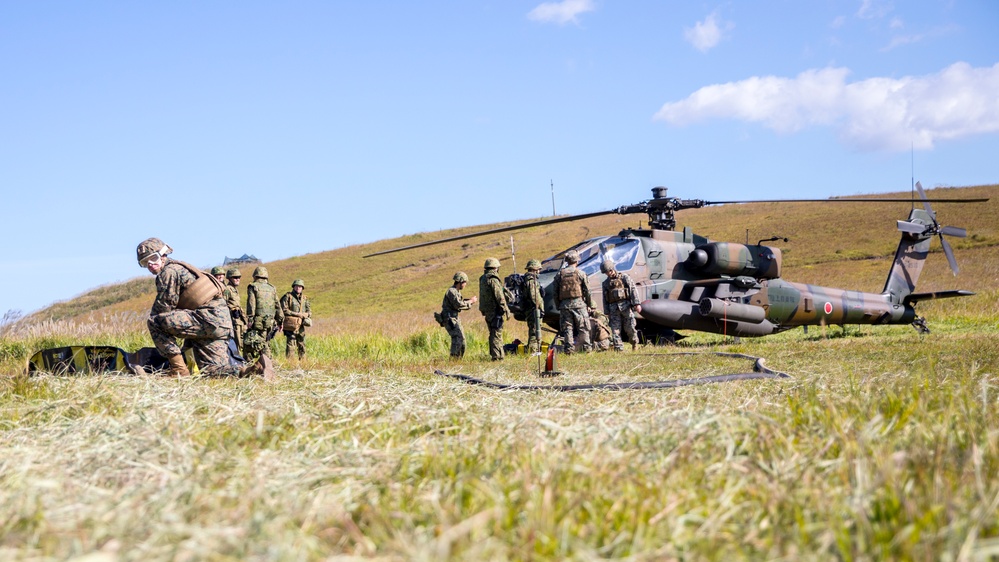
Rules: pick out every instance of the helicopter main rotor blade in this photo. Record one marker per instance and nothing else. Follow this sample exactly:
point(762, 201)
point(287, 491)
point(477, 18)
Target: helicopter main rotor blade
point(496, 231)
point(839, 200)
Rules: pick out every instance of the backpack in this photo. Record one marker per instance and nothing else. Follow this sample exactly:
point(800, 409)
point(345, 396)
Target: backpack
point(515, 289)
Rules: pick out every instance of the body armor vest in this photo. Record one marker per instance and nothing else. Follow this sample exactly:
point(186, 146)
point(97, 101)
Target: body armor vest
point(266, 295)
point(569, 284)
point(615, 290)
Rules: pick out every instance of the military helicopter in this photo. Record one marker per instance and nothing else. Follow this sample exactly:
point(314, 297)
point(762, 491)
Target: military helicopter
point(688, 282)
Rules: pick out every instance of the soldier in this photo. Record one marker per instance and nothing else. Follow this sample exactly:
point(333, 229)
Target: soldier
point(492, 305)
point(297, 316)
point(453, 304)
point(573, 297)
point(534, 305)
point(231, 294)
point(263, 315)
point(189, 305)
point(600, 333)
point(620, 304)
point(219, 272)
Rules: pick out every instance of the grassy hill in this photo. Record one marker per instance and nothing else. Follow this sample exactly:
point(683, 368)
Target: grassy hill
point(882, 444)
point(847, 245)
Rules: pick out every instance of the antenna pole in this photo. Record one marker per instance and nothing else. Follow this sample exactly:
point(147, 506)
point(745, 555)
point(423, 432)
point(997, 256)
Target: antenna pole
point(553, 197)
point(513, 254)
point(912, 172)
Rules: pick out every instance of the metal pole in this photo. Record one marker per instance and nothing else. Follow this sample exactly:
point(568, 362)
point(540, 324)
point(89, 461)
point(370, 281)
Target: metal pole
point(553, 197)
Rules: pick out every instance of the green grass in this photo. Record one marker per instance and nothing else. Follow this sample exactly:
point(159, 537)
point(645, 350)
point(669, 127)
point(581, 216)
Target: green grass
point(884, 444)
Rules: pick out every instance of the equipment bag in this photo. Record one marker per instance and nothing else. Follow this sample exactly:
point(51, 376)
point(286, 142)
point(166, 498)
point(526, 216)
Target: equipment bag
point(205, 288)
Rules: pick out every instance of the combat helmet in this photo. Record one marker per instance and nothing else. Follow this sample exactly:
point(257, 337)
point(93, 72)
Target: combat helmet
point(460, 277)
point(534, 265)
point(233, 273)
point(572, 256)
point(218, 270)
point(298, 282)
point(491, 263)
point(260, 272)
point(607, 266)
point(148, 247)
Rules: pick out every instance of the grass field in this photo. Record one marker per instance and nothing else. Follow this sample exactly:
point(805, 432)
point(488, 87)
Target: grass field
point(883, 444)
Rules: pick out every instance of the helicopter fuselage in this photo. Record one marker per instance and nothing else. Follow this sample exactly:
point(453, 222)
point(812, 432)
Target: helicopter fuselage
point(688, 282)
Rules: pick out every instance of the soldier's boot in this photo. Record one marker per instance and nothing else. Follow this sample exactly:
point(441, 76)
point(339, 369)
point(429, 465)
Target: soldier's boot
point(264, 367)
point(634, 345)
point(178, 368)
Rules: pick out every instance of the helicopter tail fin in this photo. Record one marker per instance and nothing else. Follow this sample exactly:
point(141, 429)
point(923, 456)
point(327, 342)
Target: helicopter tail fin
point(910, 256)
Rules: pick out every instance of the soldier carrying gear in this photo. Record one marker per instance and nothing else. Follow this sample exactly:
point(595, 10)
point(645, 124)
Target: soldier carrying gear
point(451, 306)
point(188, 306)
point(534, 305)
point(231, 295)
point(621, 303)
point(263, 313)
point(572, 295)
point(297, 316)
point(493, 306)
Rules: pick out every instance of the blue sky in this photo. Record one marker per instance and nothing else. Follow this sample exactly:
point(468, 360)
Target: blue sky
point(280, 129)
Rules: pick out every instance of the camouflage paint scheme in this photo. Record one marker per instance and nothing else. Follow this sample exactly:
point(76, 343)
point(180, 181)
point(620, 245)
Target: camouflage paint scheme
point(687, 282)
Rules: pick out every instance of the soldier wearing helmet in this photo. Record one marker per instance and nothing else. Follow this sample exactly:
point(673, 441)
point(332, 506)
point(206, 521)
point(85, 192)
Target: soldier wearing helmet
point(600, 331)
point(573, 297)
point(219, 272)
point(231, 295)
point(189, 305)
point(534, 304)
point(264, 316)
point(297, 316)
point(493, 306)
point(621, 303)
point(453, 304)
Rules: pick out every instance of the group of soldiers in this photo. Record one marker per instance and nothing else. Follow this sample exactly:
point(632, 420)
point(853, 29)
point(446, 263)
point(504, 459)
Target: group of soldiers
point(204, 310)
point(581, 326)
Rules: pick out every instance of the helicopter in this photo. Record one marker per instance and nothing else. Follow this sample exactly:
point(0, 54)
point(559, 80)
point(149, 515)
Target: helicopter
point(688, 282)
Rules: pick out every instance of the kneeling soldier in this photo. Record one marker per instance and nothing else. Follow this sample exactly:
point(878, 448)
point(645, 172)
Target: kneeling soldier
point(189, 305)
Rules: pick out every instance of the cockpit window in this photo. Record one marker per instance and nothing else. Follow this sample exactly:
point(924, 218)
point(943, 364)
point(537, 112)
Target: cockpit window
point(622, 251)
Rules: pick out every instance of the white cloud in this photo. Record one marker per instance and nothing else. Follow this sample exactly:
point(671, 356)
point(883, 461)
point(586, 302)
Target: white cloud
point(874, 9)
point(562, 12)
point(889, 114)
point(708, 33)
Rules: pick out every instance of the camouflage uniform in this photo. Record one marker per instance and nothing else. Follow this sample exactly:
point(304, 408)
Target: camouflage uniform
point(205, 330)
point(263, 312)
point(296, 307)
point(492, 305)
point(534, 304)
point(600, 333)
point(453, 304)
point(573, 297)
point(231, 295)
point(620, 300)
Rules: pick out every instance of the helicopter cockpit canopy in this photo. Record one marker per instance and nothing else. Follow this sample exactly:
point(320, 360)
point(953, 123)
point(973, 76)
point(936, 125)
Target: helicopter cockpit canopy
point(622, 251)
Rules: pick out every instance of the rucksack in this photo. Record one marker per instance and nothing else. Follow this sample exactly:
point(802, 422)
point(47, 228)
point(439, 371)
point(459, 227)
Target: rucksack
point(515, 288)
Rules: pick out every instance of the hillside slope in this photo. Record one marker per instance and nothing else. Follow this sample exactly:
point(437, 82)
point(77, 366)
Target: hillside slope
point(847, 245)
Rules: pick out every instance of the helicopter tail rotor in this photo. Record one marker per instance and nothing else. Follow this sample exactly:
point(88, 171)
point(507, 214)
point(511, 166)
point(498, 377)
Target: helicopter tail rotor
point(934, 229)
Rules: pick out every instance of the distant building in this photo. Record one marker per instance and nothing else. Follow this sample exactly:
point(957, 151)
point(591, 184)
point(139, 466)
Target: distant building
point(245, 258)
